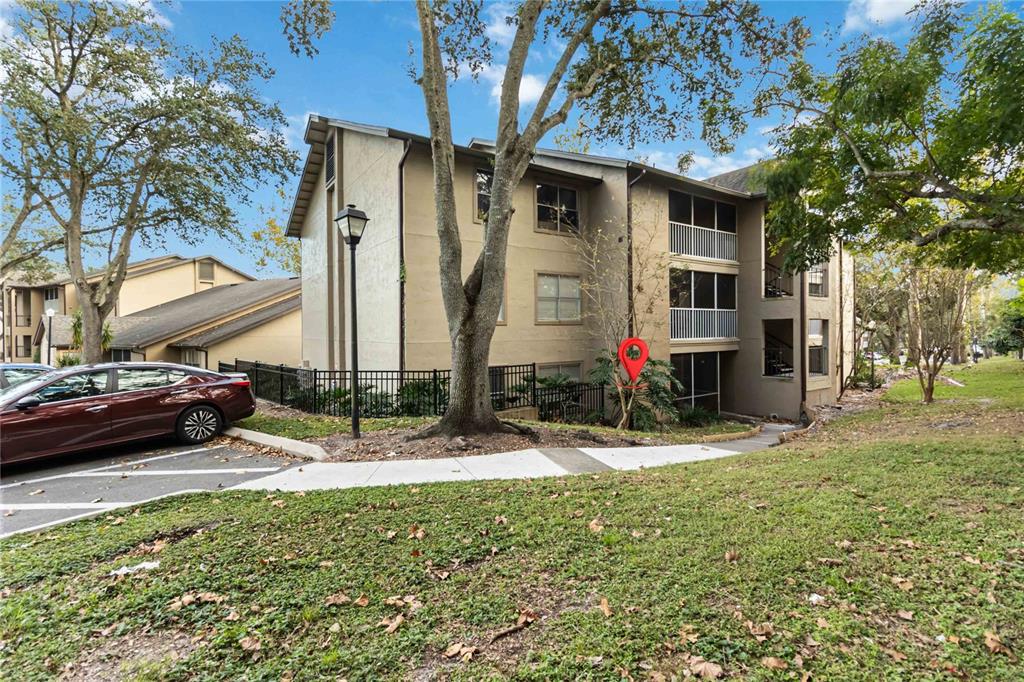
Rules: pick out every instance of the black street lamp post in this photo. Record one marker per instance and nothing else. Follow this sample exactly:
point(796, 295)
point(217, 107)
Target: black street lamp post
point(50, 312)
point(351, 221)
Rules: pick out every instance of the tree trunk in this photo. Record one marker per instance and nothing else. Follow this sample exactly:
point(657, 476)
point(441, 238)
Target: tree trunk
point(92, 331)
point(928, 389)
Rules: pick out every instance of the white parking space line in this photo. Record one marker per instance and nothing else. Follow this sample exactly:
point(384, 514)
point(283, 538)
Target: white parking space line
point(119, 465)
point(95, 511)
point(175, 472)
point(29, 506)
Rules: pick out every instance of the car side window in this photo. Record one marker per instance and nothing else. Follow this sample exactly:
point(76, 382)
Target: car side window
point(75, 386)
point(149, 377)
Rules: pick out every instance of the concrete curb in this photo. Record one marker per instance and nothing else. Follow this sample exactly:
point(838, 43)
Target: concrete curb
point(292, 447)
point(722, 437)
point(793, 435)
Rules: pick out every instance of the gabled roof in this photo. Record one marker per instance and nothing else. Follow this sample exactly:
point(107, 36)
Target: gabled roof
point(222, 332)
point(744, 179)
point(177, 317)
point(141, 267)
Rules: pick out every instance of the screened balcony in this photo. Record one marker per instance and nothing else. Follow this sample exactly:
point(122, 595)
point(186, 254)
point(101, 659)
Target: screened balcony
point(701, 227)
point(703, 305)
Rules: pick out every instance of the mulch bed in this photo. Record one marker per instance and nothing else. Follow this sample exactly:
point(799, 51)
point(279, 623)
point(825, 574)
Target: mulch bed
point(393, 444)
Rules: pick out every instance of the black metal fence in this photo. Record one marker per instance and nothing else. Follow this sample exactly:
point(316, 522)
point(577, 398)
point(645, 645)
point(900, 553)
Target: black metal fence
point(416, 393)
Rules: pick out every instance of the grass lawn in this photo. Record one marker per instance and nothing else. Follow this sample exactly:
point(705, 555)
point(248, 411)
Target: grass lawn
point(319, 426)
point(997, 380)
point(882, 547)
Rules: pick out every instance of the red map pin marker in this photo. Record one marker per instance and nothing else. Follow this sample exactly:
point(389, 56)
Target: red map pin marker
point(633, 365)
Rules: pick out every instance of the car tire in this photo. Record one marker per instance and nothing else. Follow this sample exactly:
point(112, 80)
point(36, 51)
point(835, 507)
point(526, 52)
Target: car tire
point(199, 424)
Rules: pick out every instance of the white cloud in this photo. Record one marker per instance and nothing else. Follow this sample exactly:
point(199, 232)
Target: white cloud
point(530, 87)
point(863, 15)
point(707, 166)
point(498, 28)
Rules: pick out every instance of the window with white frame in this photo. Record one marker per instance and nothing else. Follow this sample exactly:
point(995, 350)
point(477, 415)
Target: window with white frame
point(557, 209)
point(817, 347)
point(817, 280)
point(120, 355)
point(706, 290)
point(558, 298)
point(572, 370)
point(193, 357)
point(51, 294)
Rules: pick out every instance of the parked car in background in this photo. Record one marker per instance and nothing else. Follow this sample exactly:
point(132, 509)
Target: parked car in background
point(91, 406)
point(13, 373)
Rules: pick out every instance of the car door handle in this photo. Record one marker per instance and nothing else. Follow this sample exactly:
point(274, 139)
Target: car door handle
point(97, 408)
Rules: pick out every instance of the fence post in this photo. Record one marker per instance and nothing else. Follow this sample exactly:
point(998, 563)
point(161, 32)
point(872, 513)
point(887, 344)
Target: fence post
point(533, 383)
point(314, 390)
point(436, 387)
point(256, 378)
point(280, 384)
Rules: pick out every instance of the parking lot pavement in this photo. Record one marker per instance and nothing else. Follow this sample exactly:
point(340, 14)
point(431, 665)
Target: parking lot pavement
point(37, 495)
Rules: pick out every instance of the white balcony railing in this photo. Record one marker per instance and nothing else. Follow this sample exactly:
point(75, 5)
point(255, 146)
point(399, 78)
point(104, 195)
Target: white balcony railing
point(702, 323)
point(703, 242)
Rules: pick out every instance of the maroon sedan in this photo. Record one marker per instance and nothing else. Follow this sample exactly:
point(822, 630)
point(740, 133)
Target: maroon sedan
point(91, 406)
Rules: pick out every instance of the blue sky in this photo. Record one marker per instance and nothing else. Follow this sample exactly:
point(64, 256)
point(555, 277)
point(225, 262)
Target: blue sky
point(361, 75)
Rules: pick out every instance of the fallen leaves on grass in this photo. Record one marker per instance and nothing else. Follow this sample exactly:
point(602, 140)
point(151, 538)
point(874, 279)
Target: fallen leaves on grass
point(995, 644)
point(774, 663)
point(605, 608)
point(688, 633)
point(905, 615)
point(595, 525)
point(526, 616)
point(277, 503)
point(904, 584)
point(732, 556)
point(363, 600)
point(464, 652)
point(704, 669)
point(760, 632)
point(417, 533)
point(250, 644)
point(337, 599)
point(392, 624)
point(190, 598)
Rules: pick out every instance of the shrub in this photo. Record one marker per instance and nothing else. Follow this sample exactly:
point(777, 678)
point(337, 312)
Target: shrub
point(697, 416)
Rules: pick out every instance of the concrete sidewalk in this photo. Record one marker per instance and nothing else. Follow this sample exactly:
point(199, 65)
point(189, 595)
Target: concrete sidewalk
point(533, 463)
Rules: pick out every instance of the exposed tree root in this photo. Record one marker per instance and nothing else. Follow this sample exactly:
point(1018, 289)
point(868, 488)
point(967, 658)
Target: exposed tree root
point(450, 431)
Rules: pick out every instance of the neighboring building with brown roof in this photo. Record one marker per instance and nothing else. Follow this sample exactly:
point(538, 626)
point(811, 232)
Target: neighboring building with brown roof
point(741, 335)
point(147, 283)
point(258, 319)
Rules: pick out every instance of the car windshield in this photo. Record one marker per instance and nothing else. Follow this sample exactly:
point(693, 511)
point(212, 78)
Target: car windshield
point(26, 387)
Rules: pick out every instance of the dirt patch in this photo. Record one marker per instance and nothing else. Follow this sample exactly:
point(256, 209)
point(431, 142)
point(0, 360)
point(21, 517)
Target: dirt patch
point(854, 401)
point(395, 444)
point(126, 657)
point(269, 409)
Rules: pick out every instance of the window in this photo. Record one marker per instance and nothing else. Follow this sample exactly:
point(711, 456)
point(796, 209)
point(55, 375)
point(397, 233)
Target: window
point(689, 209)
point(558, 298)
point(817, 280)
point(482, 184)
point(206, 270)
point(76, 386)
point(23, 346)
point(698, 373)
point(193, 357)
point(16, 375)
point(329, 161)
point(557, 209)
point(705, 290)
point(817, 347)
point(120, 355)
point(573, 370)
point(150, 377)
point(51, 294)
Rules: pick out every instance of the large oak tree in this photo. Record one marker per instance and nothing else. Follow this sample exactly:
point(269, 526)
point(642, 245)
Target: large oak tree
point(635, 70)
point(115, 135)
point(921, 144)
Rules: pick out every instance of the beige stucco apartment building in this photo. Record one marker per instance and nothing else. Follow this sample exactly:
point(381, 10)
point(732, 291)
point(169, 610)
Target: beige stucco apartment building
point(147, 283)
point(742, 336)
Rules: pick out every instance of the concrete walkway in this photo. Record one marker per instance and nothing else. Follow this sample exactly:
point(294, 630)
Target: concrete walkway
point(533, 463)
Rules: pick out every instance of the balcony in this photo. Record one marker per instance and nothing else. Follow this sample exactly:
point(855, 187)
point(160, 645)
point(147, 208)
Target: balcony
point(702, 323)
point(702, 242)
point(22, 320)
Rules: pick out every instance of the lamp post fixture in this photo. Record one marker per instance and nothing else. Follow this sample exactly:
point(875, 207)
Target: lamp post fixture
point(871, 349)
point(351, 221)
point(50, 312)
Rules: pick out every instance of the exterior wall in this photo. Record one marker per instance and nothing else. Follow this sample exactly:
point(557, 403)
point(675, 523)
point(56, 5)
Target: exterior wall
point(368, 178)
point(316, 299)
point(521, 339)
point(750, 392)
point(277, 342)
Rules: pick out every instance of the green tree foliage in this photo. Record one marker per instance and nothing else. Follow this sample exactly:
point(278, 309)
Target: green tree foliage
point(115, 135)
point(1008, 334)
point(922, 144)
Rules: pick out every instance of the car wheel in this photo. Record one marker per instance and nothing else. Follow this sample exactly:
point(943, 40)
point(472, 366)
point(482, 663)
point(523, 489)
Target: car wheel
point(199, 424)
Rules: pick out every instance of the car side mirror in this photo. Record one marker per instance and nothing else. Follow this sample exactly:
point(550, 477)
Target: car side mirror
point(28, 402)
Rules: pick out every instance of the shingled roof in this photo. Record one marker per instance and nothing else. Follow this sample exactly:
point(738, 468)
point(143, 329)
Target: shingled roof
point(222, 332)
point(177, 317)
point(744, 179)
